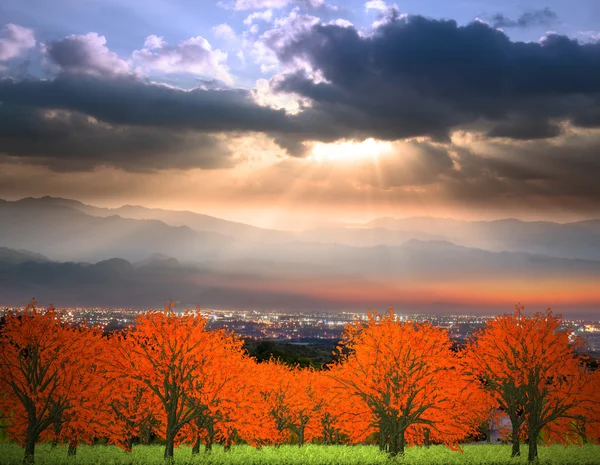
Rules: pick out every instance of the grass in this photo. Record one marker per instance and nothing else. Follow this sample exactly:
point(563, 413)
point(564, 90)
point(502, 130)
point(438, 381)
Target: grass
point(11, 454)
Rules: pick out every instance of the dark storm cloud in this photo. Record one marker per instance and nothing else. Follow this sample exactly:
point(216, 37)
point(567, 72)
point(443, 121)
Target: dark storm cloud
point(543, 17)
point(69, 141)
point(526, 129)
point(129, 101)
point(415, 76)
point(155, 125)
point(562, 173)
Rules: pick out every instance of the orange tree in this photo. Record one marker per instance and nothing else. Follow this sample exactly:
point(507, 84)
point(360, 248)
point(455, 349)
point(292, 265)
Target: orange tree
point(86, 415)
point(44, 372)
point(587, 426)
point(256, 420)
point(330, 408)
point(218, 395)
point(407, 377)
point(303, 405)
point(175, 356)
point(132, 408)
point(532, 367)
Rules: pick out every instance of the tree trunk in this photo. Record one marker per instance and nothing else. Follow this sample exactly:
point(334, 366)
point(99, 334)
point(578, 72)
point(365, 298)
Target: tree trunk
point(516, 444)
point(227, 447)
point(301, 436)
point(30, 446)
point(147, 436)
point(533, 434)
point(583, 434)
point(401, 443)
point(533, 450)
point(169, 457)
point(382, 436)
point(393, 443)
point(196, 448)
point(129, 444)
point(208, 446)
point(426, 438)
point(397, 444)
point(211, 435)
point(72, 450)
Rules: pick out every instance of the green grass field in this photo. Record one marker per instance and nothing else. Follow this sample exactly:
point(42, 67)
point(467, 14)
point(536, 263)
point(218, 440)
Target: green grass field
point(11, 454)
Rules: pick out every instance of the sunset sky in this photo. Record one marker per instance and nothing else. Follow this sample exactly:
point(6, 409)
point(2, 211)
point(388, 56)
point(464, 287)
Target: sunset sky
point(293, 112)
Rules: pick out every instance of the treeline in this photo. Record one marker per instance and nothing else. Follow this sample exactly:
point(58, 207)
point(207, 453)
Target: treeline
point(400, 383)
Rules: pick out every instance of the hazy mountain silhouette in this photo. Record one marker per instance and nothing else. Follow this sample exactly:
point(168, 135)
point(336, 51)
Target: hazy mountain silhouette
point(10, 257)
point(569, 240)
point(278, 282)
point(252, 267)
point(65, 233)
point(188, 235)
point(192, 220)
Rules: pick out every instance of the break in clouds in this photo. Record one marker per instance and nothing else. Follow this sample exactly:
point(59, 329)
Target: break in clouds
point(483, 115)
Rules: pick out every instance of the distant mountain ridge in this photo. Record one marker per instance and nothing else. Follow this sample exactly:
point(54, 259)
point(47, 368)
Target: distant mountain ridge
point(195, 221)
point(383, 272)
point(10, 257)
point(65, 233)
point(69, 253)
point(564, 240)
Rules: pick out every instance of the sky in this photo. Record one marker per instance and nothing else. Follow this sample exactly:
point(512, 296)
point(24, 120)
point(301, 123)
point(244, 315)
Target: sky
point(288, 113)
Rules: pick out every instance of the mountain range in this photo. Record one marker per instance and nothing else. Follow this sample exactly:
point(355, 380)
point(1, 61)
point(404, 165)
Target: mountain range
point(70, 253)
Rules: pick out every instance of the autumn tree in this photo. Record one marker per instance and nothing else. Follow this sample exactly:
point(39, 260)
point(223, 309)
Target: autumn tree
point(133, 408)
point(255, 421)
point(43, 364)
point(303, 406)
point(329, 403)
point(175, 356)
point(85, 415)
point(587, 426)
point(275, 392)
point(218, 394)
point(407, 377)
point(532, 366)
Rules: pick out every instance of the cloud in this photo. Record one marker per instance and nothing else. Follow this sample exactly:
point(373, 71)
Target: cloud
point(286, 30)
point(14, 40)
point(557, 174)
point(413, 77)
point(127, 100)
point(85, 54)
point(260, 4)
point(194, 56)
point(225, 31)
point(341, 22)
point(275, 4)
point(421, 77)
point(379, 5)
point(526, 129)
point(70, 141)
point(543, 17)
point(592, 35)
point(266, 16)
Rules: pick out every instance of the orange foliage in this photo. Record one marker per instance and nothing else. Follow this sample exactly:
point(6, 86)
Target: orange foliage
point(531, 366)
point(400, 382)
point(47, 371)
point(186, 369)
point(408, 379)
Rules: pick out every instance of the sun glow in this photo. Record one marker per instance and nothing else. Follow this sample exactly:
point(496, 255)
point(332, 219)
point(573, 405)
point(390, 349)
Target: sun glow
point(350, 150)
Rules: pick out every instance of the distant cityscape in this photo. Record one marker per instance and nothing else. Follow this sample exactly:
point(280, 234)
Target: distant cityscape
point(305, 328)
